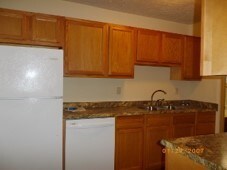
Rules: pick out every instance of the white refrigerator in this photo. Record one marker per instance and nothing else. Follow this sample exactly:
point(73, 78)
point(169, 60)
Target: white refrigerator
point(31, 88)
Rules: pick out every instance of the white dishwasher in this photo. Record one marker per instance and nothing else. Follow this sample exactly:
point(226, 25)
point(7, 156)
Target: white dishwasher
point(90, 144)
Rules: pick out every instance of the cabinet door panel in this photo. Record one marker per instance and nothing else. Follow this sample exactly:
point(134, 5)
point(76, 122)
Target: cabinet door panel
point(129, 149)
point(205, 129)
point(148, 46)
point(85, 48)
point(191, 62)
point(121, 51)
point(13, 25)
point(205, 123)
point(172, 48)
point(46, 28)
point(155, 157)
point(183, 130)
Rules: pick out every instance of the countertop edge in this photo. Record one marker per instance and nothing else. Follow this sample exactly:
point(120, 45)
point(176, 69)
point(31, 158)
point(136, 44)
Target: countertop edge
point(194, 157)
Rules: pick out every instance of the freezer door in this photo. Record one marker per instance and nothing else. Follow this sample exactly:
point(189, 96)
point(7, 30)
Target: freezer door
point(31, 134)
point(30, 72)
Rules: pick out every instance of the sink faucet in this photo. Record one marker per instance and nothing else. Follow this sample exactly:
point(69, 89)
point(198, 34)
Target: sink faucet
point(152, 96)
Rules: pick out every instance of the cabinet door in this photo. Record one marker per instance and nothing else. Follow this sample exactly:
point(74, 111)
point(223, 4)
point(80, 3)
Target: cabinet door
point(183, 131)
point(155, 157)
point(122, 51)
point(158, 127)
point(172, 48)
point(129, 142)
point(184, 125)
point(13, 26)
point(205, 123)
point(129, 149)
point(85, 48)
point(148, 46)
point(47, 29)
point(191, 61)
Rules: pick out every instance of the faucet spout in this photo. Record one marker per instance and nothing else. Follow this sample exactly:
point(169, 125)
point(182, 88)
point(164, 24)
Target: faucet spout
point(156, 91)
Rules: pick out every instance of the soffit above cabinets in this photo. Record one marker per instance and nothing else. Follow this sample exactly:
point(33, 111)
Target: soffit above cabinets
point(181, 11)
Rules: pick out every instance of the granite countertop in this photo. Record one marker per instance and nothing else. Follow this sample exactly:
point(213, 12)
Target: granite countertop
point(113, 109)
point(208, 150)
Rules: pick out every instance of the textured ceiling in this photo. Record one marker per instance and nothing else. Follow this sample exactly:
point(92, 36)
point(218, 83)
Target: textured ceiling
point(181, 11)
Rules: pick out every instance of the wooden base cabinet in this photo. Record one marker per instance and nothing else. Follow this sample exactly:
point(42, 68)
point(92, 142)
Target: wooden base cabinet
point(184, 125)
point(157, 128)
point(205, 123)
point(129, 143)
point(138, 138)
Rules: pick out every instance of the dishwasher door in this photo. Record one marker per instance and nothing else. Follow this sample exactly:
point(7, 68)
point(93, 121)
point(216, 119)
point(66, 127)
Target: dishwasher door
point(90, 144)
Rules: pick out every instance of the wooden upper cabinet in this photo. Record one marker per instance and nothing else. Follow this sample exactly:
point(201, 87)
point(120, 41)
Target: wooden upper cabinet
point(85, 48)
point(13, 25)
point(47, 29)
point(190, 68)
point(191, 61)
point(148, 46)
point(122, 51)
point(30, 28)
point(172, 48)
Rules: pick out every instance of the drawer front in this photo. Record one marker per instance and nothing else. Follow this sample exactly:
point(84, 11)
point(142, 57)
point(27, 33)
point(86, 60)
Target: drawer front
point(182, 119)
point(129, 121)
point(158, 120)
point(206, 117)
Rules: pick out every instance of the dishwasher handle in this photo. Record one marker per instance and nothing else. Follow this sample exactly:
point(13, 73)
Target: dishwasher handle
point(76, 125)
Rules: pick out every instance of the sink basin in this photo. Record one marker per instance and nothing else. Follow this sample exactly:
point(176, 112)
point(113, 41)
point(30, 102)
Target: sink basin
point(165, 107)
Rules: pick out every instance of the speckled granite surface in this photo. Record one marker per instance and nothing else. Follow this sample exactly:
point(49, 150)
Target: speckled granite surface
point(112, 109)
point(208, 150)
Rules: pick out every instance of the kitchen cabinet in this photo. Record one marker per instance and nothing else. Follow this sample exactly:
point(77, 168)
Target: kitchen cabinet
point(157, 128)
point(172, 50)
point(190, 68)
point(47, 29)
point(205, 123)
point(148, 47)
point(13, 26)
point(99, 49)
point(122, 51)
point(184, 125)
point(129, 143)
point(95, 49)
point(18, 27)
point(86, 48)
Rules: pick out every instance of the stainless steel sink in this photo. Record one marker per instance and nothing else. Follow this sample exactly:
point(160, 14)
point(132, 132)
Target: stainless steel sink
point(164, 107)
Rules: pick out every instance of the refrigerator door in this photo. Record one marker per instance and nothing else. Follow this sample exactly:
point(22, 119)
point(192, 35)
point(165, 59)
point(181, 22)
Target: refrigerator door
point(31, 134)
point(30, 72)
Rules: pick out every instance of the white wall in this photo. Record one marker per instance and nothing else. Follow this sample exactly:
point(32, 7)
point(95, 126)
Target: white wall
point(147, 79)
